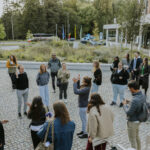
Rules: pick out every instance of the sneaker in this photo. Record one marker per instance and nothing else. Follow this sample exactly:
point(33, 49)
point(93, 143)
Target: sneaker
point(80, 133)
point(25, 113)
point(121, 105)
point(83, 136)
point(19, 115)
point(65, 101)
point(113, 103)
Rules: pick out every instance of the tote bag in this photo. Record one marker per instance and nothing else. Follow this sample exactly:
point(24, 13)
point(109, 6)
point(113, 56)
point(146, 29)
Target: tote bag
point(41, 145)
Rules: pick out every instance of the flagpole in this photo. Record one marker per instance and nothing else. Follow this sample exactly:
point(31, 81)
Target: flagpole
point(56, 31)
point(75, 35)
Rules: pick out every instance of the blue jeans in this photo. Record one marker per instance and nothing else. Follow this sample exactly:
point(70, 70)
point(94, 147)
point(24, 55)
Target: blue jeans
point(95, 88)
point(118, 90)
point(44, 93)
point(83, 117)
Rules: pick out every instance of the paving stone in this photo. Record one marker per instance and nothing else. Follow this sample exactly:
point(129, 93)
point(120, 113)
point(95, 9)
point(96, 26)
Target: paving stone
point(17, 130)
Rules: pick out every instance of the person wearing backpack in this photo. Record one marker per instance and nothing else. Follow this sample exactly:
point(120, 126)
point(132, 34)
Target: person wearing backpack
point(134, 113)
point(97, 73)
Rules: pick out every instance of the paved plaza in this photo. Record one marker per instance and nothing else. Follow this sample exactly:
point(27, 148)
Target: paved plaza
point(17, 130)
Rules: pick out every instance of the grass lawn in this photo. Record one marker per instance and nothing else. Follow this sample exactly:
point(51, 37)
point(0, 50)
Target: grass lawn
point(41, 51)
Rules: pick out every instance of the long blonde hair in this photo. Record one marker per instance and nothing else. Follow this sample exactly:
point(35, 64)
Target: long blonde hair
point(41, 69)
point(97, 65)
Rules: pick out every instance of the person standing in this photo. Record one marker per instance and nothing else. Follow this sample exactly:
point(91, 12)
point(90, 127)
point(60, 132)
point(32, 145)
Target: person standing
point(100, 122)
point(133, 113)
point(115, 63)
point(63, 128)
point(54, 64)
point(126, 62)
point(135, 66)
point(97, 77)
point(37, 114)
point(63, 75)
point(22, 87)
point(83, 91)
point(119, 79)
point(12, 65)
point(144, 75)
point(2, 134)
point(42, 81)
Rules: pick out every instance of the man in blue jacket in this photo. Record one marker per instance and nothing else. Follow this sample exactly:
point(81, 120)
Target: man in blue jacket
point(133, 113)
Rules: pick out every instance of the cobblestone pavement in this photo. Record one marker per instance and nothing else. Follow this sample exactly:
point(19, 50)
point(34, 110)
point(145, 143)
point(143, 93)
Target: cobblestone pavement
point(17, 130)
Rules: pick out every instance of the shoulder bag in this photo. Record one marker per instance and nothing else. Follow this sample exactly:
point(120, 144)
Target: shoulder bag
point(41, 145)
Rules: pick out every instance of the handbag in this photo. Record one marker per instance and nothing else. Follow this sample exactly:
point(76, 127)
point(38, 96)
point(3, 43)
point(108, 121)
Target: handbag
point(41, 145)
point(58, 82)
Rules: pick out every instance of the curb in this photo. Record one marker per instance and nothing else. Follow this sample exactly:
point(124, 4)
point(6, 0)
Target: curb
point(70, 66)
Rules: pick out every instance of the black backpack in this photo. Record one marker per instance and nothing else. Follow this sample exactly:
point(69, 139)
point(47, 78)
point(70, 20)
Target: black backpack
point(145, 112)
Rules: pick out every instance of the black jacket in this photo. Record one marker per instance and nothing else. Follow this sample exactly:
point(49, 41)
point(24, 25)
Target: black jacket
point(98, 77)
point(22, 82)
point(138, 64)
point(120, 78)
point(114, 65)
point(2, 135)
point(144, 81)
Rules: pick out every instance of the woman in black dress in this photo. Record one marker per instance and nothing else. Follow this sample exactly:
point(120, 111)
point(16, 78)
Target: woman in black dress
point(144, 75)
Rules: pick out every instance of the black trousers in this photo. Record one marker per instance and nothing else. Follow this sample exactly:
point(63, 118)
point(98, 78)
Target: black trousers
point(12, 77)
point(53, 75)
point(63, 90)
point(35, 139)
point(2, 148)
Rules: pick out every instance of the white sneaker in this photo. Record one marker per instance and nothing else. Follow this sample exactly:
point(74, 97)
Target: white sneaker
point(65, 100)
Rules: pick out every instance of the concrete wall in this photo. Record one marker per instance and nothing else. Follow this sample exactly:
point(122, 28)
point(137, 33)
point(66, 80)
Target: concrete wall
point(70, 66)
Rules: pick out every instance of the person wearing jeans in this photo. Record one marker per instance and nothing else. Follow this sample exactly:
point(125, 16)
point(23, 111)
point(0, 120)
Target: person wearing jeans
point(54, 64)
point(83, 91)
point(97, 77)
point(119, 79)
point(22, 86)
point(83, 116)
point(133, 109)
point(118, 89)
point(63, 75)
point(42, 81)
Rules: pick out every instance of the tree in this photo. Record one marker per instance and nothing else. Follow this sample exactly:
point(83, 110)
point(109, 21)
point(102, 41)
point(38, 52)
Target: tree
point(34, 17)
point(2, 32)
point(29, 35)
point(104, 12)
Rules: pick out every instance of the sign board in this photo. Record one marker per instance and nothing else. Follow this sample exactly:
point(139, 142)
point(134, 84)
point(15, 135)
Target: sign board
point(101, 35)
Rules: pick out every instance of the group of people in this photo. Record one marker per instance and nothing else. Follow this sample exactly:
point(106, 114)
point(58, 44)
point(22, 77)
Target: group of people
point(123, 71)
point(57, 128)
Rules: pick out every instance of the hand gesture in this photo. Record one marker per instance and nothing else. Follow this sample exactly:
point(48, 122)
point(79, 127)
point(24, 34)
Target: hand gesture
point(4, 121)
point(28, 104)
point(75, 80)
point(17, 74)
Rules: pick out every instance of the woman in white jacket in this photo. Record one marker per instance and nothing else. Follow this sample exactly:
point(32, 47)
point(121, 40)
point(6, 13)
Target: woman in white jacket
point(100, 122)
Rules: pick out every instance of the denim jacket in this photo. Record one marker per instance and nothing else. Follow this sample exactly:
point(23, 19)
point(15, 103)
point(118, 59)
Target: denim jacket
point(63, 134)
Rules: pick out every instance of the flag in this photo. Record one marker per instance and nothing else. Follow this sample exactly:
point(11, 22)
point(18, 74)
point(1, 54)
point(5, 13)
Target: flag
point(81, 33)
point(75, 34)
point(63, 33)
